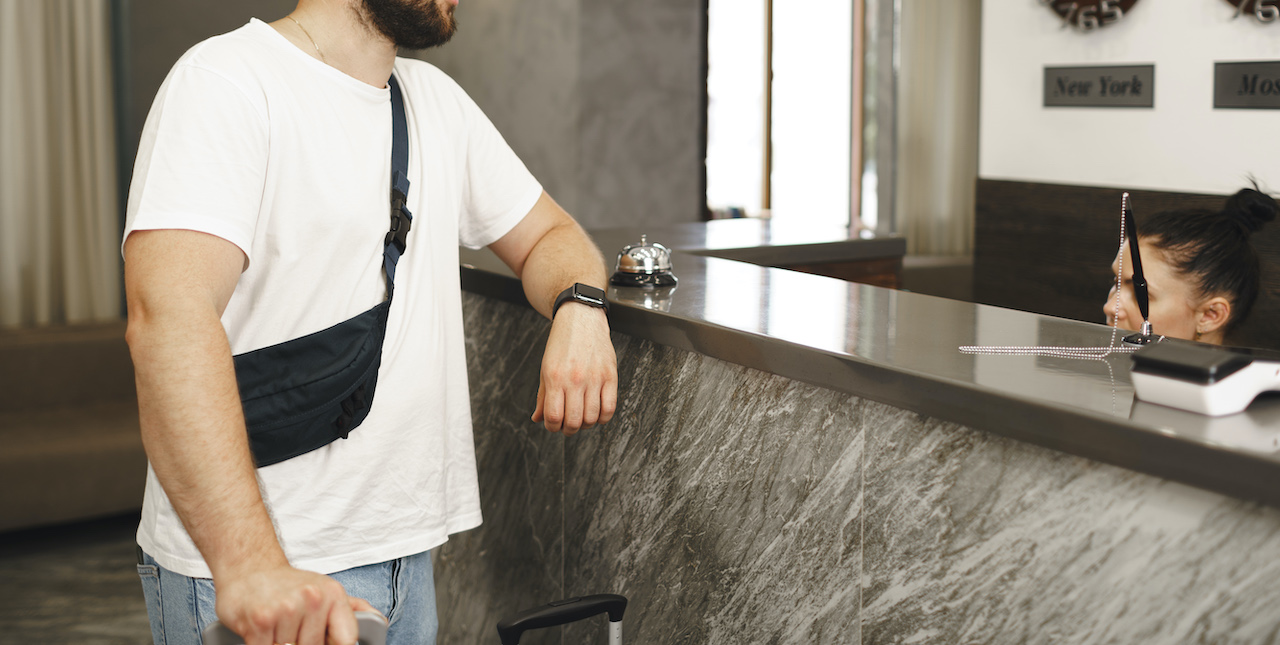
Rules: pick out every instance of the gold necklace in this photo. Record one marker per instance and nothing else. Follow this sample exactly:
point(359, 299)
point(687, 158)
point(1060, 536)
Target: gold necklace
point(313, 40)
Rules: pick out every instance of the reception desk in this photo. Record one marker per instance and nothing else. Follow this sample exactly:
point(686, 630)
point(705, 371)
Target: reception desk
point(802, 459)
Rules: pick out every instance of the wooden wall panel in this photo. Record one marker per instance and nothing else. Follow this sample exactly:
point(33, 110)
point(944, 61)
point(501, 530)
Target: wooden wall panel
point(1048, 248)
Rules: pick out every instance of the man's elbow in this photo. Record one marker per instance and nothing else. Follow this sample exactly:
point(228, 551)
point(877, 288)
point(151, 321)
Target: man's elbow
point(164, 318)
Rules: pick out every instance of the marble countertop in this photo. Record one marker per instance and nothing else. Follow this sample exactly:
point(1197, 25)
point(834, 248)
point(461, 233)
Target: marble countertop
point(903, 349)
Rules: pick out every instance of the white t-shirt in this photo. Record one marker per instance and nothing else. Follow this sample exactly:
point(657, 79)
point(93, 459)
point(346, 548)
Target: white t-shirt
point(252, 140)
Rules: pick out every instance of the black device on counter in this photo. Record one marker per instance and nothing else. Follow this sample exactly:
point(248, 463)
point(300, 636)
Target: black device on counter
point(1190, 362)
point(1205, 379)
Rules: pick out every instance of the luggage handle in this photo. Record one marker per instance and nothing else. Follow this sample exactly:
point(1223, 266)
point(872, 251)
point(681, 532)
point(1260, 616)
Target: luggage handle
point(373, 631)
point(565, 611)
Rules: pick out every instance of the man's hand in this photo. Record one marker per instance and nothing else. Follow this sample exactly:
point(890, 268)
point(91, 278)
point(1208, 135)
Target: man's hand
point(548, 251)
point(287, 605)
point(578, 387)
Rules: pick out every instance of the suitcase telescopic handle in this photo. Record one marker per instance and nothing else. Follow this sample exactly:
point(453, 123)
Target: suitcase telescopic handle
point(373, 631)
point(565, 611)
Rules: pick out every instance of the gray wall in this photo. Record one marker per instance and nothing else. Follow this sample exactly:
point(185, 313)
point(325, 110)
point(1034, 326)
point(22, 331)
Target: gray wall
point(519, 61)
point(603, 99)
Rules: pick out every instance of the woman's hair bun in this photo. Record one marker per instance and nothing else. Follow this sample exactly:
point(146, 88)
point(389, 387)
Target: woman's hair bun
point(1251, 209)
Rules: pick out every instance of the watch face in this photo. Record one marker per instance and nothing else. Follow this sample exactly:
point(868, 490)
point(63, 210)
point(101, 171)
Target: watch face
point(589, 294)
point(1087, 15)
point(1262, 10)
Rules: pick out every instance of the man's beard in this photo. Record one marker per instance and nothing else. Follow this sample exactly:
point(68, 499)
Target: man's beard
point(411, 24)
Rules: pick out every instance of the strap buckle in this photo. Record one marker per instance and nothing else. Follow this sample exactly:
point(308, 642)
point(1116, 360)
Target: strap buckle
point(401, 222)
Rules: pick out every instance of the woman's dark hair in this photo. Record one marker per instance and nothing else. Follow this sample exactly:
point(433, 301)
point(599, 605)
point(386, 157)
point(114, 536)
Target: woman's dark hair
point(1213, 247)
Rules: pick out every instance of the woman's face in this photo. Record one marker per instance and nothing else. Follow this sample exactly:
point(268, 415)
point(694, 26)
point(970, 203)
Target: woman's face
point(1175, 308)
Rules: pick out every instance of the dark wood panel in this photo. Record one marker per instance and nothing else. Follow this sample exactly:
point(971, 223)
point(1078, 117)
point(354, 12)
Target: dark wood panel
point(1048, 248)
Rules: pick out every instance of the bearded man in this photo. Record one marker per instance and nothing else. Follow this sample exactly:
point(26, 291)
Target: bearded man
point(257, 216)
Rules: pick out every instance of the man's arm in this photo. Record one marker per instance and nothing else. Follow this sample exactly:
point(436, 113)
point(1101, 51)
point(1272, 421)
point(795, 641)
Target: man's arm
point(549, 252)
point(178, 283)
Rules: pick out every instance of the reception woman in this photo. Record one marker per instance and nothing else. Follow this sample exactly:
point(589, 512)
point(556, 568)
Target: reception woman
point(1202, 272)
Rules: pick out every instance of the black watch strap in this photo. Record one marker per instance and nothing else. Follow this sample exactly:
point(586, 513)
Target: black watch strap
point(583, 293)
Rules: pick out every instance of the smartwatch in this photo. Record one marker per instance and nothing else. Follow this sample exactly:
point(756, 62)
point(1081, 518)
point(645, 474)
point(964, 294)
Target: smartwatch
point(584, 293)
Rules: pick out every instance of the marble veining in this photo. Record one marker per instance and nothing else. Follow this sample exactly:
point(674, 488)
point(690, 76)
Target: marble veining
point(732, 505)
point(717, 488)
point(974, 538)
point(514, 560)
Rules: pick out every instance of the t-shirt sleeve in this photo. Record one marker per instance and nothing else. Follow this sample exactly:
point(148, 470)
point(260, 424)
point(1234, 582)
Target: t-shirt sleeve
point(202, 159)
point(499, 190)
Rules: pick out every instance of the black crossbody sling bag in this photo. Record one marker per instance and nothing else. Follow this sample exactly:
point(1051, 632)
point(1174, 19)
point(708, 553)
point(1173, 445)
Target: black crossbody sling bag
point(305, 393)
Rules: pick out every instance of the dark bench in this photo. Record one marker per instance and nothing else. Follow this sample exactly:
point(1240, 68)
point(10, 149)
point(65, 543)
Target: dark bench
point(68, 426)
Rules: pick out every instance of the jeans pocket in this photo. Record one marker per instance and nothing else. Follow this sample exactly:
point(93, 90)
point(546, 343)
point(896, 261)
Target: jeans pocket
point(149, 574)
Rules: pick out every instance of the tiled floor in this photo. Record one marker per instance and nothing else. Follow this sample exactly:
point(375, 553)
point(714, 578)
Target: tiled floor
point(72, 584)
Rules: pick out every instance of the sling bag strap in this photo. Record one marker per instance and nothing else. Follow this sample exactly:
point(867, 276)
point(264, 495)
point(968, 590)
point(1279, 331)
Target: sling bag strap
point(307, 392)
point(401, 219)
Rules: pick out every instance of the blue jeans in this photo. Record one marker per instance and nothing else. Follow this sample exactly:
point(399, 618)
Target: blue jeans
point(403, 590)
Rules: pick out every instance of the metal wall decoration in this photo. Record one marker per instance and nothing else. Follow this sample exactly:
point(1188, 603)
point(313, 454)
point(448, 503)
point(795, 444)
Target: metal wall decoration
point(1088, 15)
point(1262, 10)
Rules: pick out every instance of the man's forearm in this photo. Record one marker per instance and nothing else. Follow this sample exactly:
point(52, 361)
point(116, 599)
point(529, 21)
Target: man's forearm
point(563, 256)
point(579, 377)
point(193, 432)
point(179, 283)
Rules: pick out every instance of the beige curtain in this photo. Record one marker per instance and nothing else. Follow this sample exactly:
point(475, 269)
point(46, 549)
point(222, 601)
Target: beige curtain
point(59, 218)
point(938, 125)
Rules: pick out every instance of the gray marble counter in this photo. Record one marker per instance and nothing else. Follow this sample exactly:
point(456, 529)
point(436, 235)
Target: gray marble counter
point(797, 459)
point(734, 505)
point(902, 349)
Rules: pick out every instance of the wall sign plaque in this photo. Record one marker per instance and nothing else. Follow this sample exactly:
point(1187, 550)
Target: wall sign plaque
point(1247, 86)
point(1262, 10)
point(1087, 15)
point(1131, 86)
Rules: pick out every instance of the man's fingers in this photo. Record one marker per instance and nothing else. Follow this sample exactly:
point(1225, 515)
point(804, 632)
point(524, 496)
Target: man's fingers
point(360, 604)
point(567, 405)
point(538, 409)
point(342, 624)
point(573, 411)
point(256, 626)
point(314, 622)
point(260, 630)
point(553, 410)
point(591, 405)
point(286, 605)
point(288, 619)
point(608, 399)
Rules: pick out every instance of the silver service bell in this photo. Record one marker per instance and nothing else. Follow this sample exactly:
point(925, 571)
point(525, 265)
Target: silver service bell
point(644, 265)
